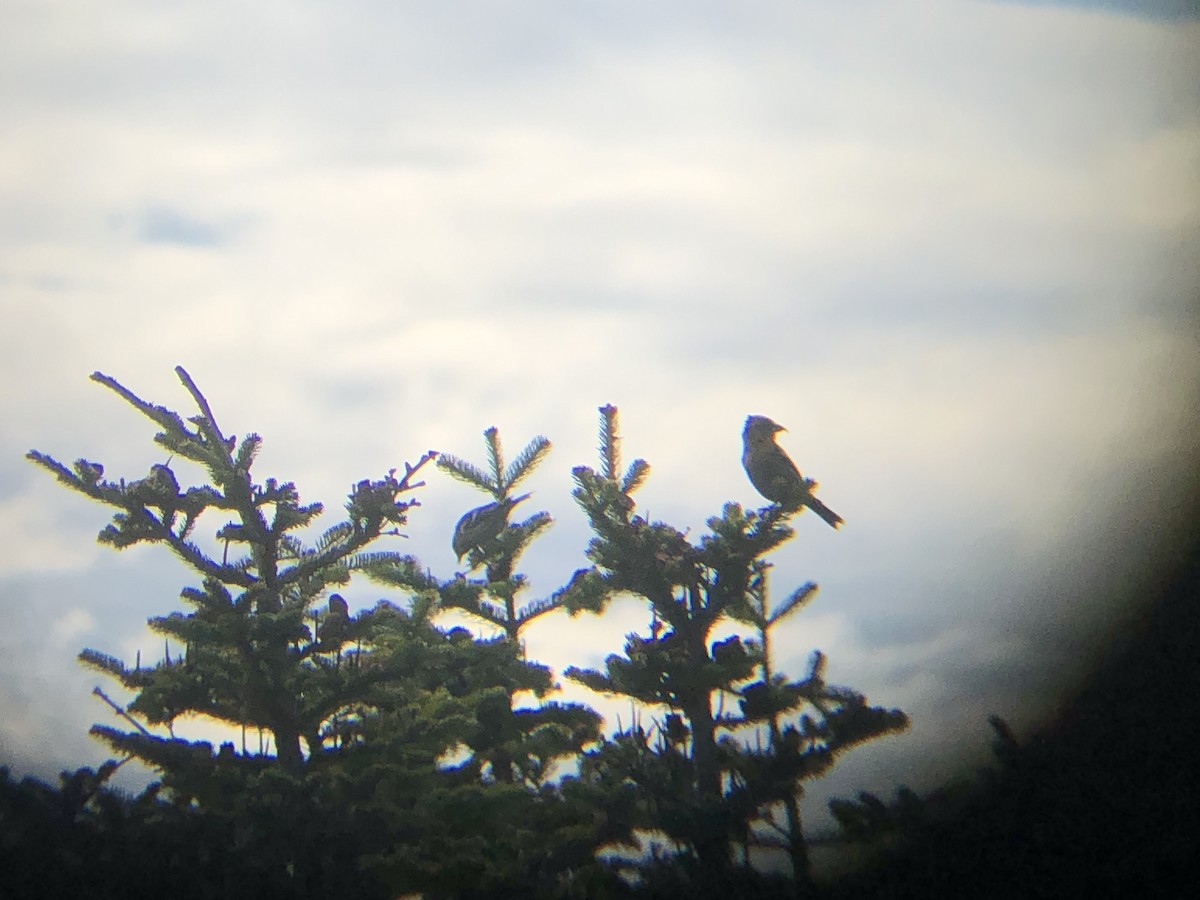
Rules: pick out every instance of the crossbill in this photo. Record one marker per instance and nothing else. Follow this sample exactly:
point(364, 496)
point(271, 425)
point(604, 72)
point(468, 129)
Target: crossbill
point(773, 473)
point(336, 623)
point(480, 526)
point(338, 606)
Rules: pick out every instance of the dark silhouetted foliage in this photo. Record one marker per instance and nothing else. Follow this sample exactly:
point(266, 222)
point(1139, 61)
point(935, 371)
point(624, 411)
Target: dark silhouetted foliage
point(406, 758)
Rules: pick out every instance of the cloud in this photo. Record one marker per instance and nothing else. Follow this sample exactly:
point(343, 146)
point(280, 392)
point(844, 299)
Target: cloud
point(38, 535)
point(69, 628)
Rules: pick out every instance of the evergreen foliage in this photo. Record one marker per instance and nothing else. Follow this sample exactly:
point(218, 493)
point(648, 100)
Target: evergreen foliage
point(412, 758)
point(707, 779)
point(497, 545)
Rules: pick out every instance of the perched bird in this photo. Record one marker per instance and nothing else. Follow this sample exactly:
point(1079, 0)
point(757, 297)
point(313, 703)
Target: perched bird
point(338, 606)
point(774, 475)
point(336, 623)
point(482, 525)
point(89, 472)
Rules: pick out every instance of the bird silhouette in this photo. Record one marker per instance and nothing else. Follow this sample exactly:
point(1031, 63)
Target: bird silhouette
point(479, 527)
point(336, 623)
point(338, 606)
point(773, 473)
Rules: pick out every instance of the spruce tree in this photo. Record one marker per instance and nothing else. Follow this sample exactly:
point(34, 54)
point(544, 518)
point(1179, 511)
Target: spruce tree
point(516, 744)
point(705, 777)
point(250, 657)
point(368, 712)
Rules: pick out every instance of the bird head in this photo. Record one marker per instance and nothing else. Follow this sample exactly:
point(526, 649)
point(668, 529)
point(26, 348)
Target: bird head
point(761, 428)
point(510, 502)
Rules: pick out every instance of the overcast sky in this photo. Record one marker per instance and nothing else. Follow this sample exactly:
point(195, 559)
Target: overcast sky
point(952, 246)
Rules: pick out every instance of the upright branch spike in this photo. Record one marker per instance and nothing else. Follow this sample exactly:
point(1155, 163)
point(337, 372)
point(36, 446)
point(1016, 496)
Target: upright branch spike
point(491, 437)
point(816, 666)
point(526, 461)
point(610, 442)
point(634, 476)
point(801, 595)
point(206, 411)
point(246, 451)
point(501, 479)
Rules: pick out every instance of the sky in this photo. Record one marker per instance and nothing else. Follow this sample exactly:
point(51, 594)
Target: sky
point(951, 246)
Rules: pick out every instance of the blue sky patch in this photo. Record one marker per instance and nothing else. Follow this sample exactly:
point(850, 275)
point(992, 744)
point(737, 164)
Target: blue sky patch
point(161, 225)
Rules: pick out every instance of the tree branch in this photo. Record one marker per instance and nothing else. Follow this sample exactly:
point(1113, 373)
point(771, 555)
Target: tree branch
point(120, 711)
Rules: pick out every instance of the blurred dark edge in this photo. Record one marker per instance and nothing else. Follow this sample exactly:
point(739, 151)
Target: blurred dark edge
point(1104, 801)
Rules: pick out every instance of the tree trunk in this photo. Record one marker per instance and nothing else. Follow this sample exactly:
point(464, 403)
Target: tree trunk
point(287, 748)
point(710, 833)
point(798, 848)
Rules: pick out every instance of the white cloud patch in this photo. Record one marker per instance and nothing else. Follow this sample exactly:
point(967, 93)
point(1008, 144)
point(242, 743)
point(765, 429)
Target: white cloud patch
point(71, 627)
point(38, 536)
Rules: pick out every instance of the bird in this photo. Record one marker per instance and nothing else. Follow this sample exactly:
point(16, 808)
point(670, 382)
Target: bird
point(773, 473)
point(337, 622)
point(338, 606)
point(482, 525)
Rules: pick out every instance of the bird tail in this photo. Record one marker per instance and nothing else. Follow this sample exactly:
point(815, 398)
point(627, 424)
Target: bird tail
point(823, 511)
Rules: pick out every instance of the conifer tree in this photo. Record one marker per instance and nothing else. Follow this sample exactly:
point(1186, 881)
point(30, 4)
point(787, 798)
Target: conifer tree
point(517, 743)
point(495, 544)
point(250, 657)
point(702, 782)
point(364, 709)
